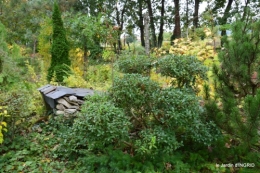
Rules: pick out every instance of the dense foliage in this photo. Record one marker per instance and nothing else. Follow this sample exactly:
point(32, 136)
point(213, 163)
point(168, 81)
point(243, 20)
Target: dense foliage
point(135, 64)
point(184, 70)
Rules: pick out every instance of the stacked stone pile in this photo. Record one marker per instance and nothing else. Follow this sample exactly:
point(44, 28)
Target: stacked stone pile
point(68, 105)
point(63, 100)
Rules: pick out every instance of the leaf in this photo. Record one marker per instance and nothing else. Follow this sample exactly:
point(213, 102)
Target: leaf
point(4, 124)
point(20, 168)
point(27, 163)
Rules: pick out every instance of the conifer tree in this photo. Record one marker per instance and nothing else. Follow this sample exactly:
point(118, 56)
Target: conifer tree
point(237, 83)
point(60, 61)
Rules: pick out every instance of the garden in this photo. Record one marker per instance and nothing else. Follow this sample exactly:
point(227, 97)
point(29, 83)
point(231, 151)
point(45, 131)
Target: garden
point(173, 103)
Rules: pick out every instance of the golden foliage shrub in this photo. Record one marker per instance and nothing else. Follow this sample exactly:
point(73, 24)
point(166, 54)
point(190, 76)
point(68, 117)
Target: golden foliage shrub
point(3, 124)
point(197, 48)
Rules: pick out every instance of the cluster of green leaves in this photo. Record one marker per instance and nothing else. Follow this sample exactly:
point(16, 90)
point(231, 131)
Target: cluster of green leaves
point(140, 64)
point(99, 73)
point(134, 92)
point(103, 123)
point(33, 151)
point(184, 70)
point(88, 32)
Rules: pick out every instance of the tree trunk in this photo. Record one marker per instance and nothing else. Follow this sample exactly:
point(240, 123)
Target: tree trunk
point(187, 13)
point(147, 33)
point(140, 23)
point(225, 16)
point(120, 23)
point(245, 11)
point(177, 28)
point(196, 14)
point(160, 36)
point(150, 11)
point(186, 23)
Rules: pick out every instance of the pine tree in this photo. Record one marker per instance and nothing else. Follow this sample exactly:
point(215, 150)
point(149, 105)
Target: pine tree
point(60, 61)
point(237, 83)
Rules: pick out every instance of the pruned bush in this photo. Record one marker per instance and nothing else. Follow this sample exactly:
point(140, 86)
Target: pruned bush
point(161, 118)
point(179, 111)
point(184, 70)
point(135, 64)
point(101, 123)
point(134, 91)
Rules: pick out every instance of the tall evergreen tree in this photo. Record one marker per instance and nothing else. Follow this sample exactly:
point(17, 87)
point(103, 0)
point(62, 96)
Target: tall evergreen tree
point(60, 61)
point(238, 112)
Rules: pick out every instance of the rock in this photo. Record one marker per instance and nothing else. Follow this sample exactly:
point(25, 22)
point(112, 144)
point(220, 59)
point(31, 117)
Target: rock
point(71, 102)
point(64, 102)
point(60, 112)
point(70, 111)
point(74, 107)
point(39, 129)
point(73, 98)
point(60, 107)
point(80, 102)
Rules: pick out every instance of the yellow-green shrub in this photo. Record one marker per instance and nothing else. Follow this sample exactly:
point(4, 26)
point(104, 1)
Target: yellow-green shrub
point(75, 80)
point(77, 61)
point(196, 48)
point(44, 46)
point(3, 124)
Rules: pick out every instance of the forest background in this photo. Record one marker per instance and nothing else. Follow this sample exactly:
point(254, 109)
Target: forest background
point(184, 100)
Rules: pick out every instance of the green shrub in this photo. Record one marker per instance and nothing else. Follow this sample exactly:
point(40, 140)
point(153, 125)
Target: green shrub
point(140, 64)
point(179, 110)
point(23, 107)
point(161, 118)
point(99, 125)
point(102, 122)
point(99, 74)
point(134, 91)
point(184, 70)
